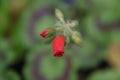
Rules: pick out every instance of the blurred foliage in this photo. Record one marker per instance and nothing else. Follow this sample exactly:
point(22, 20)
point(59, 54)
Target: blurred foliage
point(6, 55)
point(44, 66)
point(24, 55)
point(10, 75)
point(105, 75)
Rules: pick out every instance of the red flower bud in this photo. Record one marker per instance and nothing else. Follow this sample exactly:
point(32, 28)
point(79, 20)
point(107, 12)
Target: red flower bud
point(44, 33)
point(58, 46)
point(48, 32)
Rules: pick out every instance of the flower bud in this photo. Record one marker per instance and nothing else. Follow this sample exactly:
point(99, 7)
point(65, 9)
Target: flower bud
point(59, 14)
point(76, 38)
point(48, 32)
point(58, 46)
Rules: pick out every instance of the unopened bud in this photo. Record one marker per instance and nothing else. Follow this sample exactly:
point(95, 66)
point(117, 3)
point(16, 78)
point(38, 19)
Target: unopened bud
point(59, 14)
point(48, 32)
point(76, 38)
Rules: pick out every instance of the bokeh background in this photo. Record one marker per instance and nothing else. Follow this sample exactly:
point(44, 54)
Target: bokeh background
point(25, 56)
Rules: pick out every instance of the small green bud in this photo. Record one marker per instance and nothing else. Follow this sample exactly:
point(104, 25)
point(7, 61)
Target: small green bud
point(76, 38)
point(59, 15)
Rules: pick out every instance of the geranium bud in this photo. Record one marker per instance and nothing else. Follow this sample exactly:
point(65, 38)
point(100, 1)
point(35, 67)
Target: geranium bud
point(48, 32)
point(58, 46)
point(76, 38)
point(59, 14)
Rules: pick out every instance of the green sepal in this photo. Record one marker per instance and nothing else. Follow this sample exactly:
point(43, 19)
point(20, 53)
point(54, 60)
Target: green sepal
point(49, 39)
point(52, 31)
point(76, 38)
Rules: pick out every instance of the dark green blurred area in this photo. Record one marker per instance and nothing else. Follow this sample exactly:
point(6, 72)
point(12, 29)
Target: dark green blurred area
point(25, 56)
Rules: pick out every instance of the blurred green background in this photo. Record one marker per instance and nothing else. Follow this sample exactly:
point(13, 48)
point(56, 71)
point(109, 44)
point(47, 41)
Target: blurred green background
point(25, 56)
